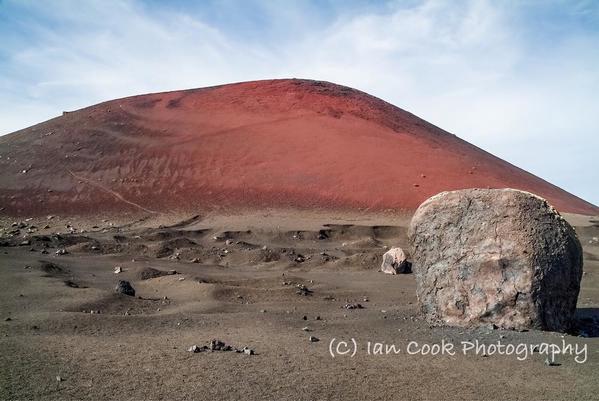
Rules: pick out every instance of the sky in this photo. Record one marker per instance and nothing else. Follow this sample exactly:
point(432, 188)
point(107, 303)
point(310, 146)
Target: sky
point(519, 79)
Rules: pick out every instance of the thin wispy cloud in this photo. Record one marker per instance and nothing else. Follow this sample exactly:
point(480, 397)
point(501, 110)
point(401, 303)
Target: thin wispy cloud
point(519, 79)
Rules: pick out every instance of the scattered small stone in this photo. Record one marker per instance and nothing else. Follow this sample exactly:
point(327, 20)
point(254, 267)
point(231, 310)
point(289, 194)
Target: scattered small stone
point(7, 319)
point(305, 317)
point(318, 318)
point(353, 306)
point(61, 251)
point(322, 235)
point(196, 349)
point(195, 260)
point(303, 290)
point(247, 351)
point(217, 345)
point(549, 362)
point(59, 379)
point(306, 329)
point(262, 310)
point(118, 270)
point(25, 243)
point(124, 287)
point(314, 339)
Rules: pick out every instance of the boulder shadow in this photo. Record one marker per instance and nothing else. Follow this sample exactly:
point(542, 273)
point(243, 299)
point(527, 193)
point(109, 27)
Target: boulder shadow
point(586, 322)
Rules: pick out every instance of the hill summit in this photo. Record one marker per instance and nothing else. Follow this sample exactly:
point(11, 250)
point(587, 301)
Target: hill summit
point(280, 143)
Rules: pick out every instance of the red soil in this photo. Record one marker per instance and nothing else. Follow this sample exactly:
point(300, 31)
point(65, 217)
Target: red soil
point(281, 143)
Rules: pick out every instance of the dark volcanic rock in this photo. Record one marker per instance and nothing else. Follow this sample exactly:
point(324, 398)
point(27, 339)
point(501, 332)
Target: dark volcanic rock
point(353, 306)
point(52, 269)
point(303, 290)
point(149, 273)
point(217, 345)
point(497, 256)
point(124, 287)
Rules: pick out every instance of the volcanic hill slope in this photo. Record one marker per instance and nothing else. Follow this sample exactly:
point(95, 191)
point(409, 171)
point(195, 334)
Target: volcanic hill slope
point(280, 143)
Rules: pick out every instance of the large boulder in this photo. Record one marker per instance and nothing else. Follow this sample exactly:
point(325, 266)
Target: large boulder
point(495, 256)
point(395, 261)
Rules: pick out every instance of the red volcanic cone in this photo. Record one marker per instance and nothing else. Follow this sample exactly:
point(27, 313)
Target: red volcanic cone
point(280, 143)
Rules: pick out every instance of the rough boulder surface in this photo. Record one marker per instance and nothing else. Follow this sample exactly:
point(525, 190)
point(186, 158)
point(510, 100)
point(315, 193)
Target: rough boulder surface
point(395, 261)
point(495, 256)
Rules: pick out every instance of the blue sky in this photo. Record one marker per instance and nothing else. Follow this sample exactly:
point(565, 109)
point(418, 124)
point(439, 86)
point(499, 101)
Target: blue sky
point(517, 78)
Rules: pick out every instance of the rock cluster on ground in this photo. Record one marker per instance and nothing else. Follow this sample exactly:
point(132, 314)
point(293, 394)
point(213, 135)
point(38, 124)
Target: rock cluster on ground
point(495, 256)
point(217, 345)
